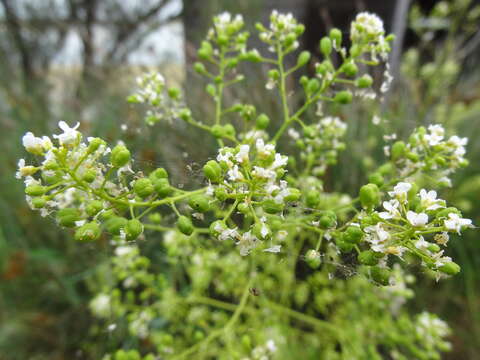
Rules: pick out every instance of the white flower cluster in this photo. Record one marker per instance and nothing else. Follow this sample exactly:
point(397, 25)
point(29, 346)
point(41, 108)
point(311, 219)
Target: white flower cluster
point(368, 29)
point(284, 29)
point(432, 330)
point(264, 352)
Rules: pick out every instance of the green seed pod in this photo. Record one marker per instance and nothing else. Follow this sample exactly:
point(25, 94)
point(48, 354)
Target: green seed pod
point(386, 169)
point(364, 82)
point(293, 194)
point(68, 216)
point(35, 190)
point(380, 275)
point(159, 173)
point(199, 68)
point(88, 232)
point(327, 221)
point(326, 46)
point(433, 248)
point(200, 203)
point(355, 51)
point(205, 51)
point(313, 259)
point(262, 122)
point(353, 234)
point(217, 227)
point(229, 130)
point(120, 156)
point(162, 187)
point(243, 208)
point(89, 176)
point(94, 207)
point(114, 224)
point(212, 171)
point(94, 144)
point(312, 198)
point(336, 37)
point(450, 268)
point(38, 202)
point(184, 224)
point(309, 132)
point(376, 178)
point(221, 193)
point(143, 187)
point(272, 207)
point(289, 40)
point(313, 86)
point(303, 58)
point(368, 257)
point(343, 245)
point(350, 69)
point(398, 150)
point(343, 97)
point(369, 195)
point(133, 229)
point(155, 218)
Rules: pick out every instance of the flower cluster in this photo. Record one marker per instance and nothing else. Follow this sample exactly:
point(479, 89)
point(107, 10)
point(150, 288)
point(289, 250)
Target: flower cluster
point(368, 29)
point(284, 31)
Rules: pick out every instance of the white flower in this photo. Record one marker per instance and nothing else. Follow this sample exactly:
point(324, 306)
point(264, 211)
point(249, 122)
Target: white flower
point(437, 132)
point(264, 151)
point(392, 209)
point(242, 155)
point(227, 233)
point(69, 136)
point(441, 238)
point(279, 161)
point(455, 222)
point(271, 346)
point(429, 200)
point(377, 235)
point(36, 145)
point(400, 191)
point(234, 174)
point(415, 219)
point(100, 305)
point(246, 243)
point(368, 24)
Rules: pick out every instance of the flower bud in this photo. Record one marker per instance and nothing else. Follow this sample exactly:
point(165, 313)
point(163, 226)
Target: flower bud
point(364, 82)
point(94, 207)
point(336, 37)
point(343, 97)
point(243, 208)
point(368, 257)
point(303, 58)
point(326, 46)
point(184, 224)
point(369, 195)
point(212, 171)
point(293, 195)
point(380, 275)
point(89, 176)
point(312, 257)
point(262, 122)
point(312, 198)
point(199, 68)
point(162, 187)
point(94, 144)
point(35, 190)
point(272, 207)
point(350, 69)
point(199, 203)
point(133, 229)
point(398, 150)
point(450, 268)
point(376, 178)
point(328, 220)
point(159, 173)
point(114, 224)
point(120, 156)
point(143, 187)
point(229, 130)
point(221, 193)
point(39, 202)
point(88, 232)
point(205, 51)
point(68, 216)
point(353, 234)
point(313, 86)
point(217, 131)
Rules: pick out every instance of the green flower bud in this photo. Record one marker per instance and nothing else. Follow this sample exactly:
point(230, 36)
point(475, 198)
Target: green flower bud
point(313, 86)
point(68, 216)
point(212, 171)
point(143, 187)
point(433, 248)
point(262, 122)
point(133, 229)
point(450, 268)
point(114, 224)
point(94, 144)
point(221, 193)
point(200, 203)
point(368, 257)
point(243, 208)
point(217, 227)
point(289, 40)
point(184, 224)
point(328, 221)
point(343, 97)
point(336, 37)
point(35, 190)
point(120, 156)
point(94, 207)
point(326, 46)
point(159, 173)
point(398, 150)
point(211, 90)
point(376, 178)
point(293, 194)
point(312, 198)
point(88, 232)
point(380, 275)
point(199, 68)
point(303, 58)
point(39, 202)
point(353, 234)
point(89, 176)
point(162, 187)
point(205, 51)
point(369, 195)
point(364, 82)
point(313, 259)
point(272, 207)
point(350, 69)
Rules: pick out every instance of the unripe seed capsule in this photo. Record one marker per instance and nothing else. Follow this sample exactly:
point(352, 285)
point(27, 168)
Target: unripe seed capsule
point(88, 232)
point(262, 122)
point(120, 156)
point(68, 216)
point(89, 176)
point(326, 46)
point(272, 207)
point(336, 36)
point(212, 171)
point(114, 224)
point(94, 207)
point(312, 257)
point(343, 97)
point(369, 195)
point(199, 203)
point(143, 187)
point(133, 229)
point(364, 82)
point(450, 268)
point(35, 190)
point(184, 224)
point(303, 58)
point(368, 257)
point(38, 202)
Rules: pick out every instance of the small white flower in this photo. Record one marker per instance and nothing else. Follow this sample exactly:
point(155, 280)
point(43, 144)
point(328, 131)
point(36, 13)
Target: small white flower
point(435, 137)
point(36, 145)
point(400, 191)
point(392, 209)
point(455, 222)
point(279, 161)
point(69, 136)
point(429, 200)
point(415, 219)
point(441, 238)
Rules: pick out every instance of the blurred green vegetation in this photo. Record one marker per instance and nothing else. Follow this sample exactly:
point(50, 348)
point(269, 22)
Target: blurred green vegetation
point(44, 275)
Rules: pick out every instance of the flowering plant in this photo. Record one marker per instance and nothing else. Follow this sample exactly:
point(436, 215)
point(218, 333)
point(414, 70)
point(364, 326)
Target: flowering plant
point(262, 236)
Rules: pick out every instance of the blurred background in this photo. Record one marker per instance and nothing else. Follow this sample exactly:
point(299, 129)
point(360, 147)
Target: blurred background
point(76, 60)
